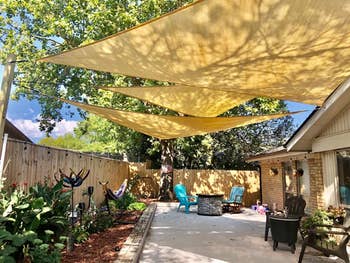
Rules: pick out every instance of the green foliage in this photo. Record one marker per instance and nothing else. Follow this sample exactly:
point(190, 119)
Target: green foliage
point(98, 222)
point(32, 224)
point(319, 217)
point(36, 29)
point(137, 206)
point(123, 202)
point(80, 234)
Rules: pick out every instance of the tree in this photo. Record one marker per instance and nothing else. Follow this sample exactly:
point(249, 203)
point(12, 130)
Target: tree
point(228, 149)
point(36, 28)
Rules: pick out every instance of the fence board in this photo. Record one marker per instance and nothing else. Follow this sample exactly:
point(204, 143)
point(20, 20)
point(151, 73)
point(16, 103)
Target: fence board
point(200, 181)
point(31, 163)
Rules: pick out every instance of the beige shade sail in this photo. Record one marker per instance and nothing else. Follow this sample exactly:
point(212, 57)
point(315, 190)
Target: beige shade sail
point(169, 127)
point(296, 50)
point(193, 101)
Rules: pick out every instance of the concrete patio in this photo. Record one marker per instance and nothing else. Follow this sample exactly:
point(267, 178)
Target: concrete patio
point(179, 237)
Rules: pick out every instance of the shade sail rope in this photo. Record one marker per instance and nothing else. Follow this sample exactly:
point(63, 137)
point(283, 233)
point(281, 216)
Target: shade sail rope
point(295, 50)
point(192, 101)
point(170, 127)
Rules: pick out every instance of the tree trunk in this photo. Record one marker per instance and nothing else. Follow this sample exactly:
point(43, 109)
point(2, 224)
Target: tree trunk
point(166, 177)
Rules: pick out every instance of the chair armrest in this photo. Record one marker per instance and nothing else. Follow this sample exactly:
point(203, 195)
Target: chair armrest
point(238, 198)
point(192, 197)
point(334, 226)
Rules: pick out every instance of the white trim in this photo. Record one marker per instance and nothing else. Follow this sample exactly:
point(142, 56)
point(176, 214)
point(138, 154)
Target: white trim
point(336, 102)
point(276, 156)
point(329, 143)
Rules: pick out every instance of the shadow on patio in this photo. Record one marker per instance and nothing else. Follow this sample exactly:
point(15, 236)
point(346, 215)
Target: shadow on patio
point(177, 237)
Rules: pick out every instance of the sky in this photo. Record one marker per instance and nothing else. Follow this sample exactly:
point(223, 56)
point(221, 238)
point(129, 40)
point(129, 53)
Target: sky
point(24, 114)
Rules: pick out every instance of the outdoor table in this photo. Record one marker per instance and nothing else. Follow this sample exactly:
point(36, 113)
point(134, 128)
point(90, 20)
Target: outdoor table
point(210, 204)
point(284, 229)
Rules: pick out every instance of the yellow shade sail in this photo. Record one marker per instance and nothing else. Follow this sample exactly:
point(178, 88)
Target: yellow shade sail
point(293, 49)
point(169, 127)
point(193, 101)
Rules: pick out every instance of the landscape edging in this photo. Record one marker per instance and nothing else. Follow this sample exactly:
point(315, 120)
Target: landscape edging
point(133, 246)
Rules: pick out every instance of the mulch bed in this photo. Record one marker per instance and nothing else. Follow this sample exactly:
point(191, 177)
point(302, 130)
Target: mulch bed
point(104, 246)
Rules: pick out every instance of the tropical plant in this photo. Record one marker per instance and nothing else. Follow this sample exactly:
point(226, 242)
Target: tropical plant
point(97, 223)
point(29, 227)
point(123, 202)
point(139, 206)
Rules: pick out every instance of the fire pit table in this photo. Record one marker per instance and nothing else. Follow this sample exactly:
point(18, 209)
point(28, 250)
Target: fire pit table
point(210, 204)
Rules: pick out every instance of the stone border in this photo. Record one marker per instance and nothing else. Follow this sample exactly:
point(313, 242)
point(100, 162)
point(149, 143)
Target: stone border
point(133, 246)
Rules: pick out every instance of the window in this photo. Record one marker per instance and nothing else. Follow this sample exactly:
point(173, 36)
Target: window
point(343, 161)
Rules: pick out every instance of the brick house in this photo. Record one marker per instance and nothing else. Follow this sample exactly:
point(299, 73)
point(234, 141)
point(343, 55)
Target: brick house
point(321, 148)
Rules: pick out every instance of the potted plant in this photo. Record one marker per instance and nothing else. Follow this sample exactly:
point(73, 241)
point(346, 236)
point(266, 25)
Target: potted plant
point(337, 214)
point(317, 220)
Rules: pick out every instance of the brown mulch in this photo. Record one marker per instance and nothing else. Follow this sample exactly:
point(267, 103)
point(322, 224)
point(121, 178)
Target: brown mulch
point(104, 246)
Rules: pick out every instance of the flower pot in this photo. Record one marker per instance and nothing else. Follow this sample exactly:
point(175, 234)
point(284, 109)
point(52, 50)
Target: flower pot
point(339, 220)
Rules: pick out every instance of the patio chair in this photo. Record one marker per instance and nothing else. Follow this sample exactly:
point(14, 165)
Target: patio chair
point(284, 229)
point(295, 206)
point(184, 199)
point(234, 201)
point(329, 239)
point(113, 195)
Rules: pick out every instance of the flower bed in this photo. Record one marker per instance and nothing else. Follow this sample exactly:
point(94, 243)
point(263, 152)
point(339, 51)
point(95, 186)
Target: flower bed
point(103, 246)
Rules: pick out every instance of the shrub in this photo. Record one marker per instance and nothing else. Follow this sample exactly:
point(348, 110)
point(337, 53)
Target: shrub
point(32, 224)
point(137, 206)
point(123, 203)
point(98, 222)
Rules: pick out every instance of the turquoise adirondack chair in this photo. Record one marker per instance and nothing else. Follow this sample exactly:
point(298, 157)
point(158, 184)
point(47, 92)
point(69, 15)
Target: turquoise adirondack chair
point(235, 199)
point(184, 199)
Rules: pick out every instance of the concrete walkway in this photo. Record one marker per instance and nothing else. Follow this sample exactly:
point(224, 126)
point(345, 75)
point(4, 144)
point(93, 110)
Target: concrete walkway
point(177, 237)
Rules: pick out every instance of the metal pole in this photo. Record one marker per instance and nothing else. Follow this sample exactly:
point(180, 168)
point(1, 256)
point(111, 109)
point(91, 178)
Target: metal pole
point(7, 80)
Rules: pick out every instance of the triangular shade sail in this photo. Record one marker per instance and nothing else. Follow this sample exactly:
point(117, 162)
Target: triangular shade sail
point(293, 49)
point(193, 101)
point(169, 127)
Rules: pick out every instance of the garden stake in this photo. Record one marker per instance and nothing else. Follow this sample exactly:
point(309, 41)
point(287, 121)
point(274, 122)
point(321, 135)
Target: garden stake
point(73, 180)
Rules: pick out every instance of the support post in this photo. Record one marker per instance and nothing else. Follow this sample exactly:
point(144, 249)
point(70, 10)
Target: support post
point(2, 159)
point(166, 177)
point(7, 80)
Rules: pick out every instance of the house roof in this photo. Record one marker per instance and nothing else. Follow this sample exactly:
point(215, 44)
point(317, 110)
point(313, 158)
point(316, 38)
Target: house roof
point(14, 133)
point(279, 152)
point(302, 139)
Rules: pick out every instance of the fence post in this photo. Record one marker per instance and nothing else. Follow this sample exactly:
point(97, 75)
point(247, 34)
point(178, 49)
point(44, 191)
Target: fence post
point(7, 79)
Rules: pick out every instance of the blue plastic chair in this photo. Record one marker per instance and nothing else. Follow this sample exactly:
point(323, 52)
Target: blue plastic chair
point(345, 195)
point(184, 199)
point(235, 199)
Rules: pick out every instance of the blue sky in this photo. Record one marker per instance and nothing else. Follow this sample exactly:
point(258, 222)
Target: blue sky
point(24, 115)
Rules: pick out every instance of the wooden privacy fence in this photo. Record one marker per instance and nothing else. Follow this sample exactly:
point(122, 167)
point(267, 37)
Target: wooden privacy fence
point(200, 181)
point(31, 163)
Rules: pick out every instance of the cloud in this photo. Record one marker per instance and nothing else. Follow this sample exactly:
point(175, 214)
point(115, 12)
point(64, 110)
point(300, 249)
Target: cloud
point(28, 127)
point(31, 128)
point(64, 127)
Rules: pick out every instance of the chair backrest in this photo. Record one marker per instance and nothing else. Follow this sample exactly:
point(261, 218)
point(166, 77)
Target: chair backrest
point(296, 205)
point(181, 194)
point(120, 192)
point(345, 194)
point(237, 194)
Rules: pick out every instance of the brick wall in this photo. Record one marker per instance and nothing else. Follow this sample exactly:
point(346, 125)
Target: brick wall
point(272, 185)
point(316, 182)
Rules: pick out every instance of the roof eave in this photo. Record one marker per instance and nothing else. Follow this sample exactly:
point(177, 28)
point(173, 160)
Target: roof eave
point(312, 127)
